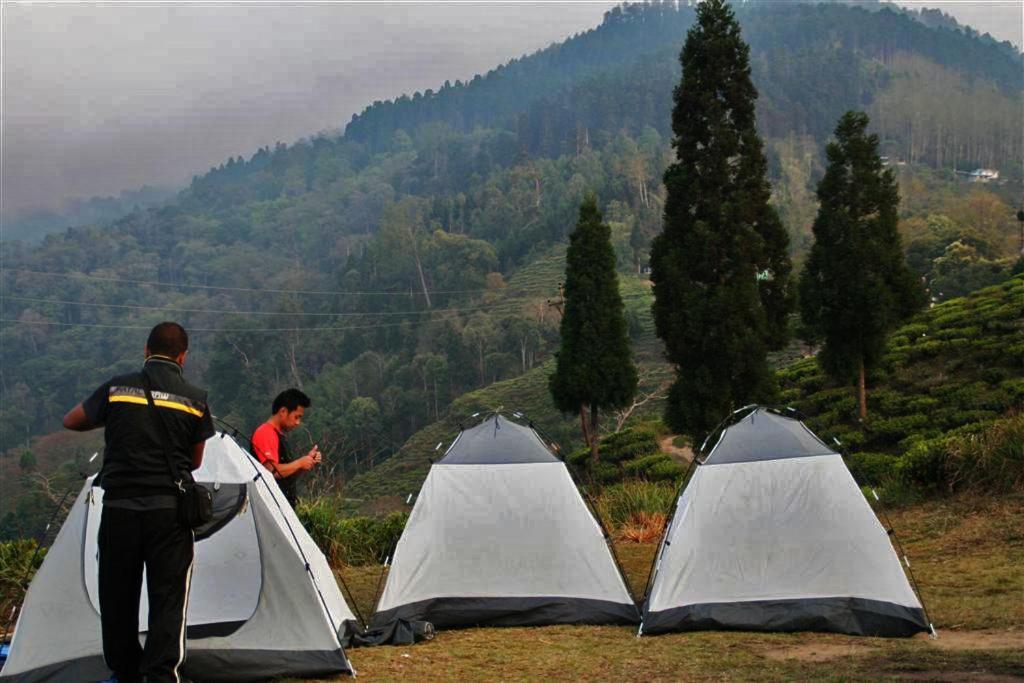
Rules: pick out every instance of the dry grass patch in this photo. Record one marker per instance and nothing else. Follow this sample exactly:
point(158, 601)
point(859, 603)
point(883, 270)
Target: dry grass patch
point(968, 556)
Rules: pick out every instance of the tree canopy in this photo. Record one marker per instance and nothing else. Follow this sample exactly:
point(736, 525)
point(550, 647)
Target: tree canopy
point(594, 367)
point(720, 267)
point(856, 286)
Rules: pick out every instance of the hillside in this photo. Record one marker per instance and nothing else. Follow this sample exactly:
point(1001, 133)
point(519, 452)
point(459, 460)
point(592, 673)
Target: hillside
point(955, 370)
point(527, 394)
point(953, 374)
point(373, 270)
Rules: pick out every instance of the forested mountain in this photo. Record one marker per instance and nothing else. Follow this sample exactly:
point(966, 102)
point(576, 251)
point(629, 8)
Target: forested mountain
point(390, 270)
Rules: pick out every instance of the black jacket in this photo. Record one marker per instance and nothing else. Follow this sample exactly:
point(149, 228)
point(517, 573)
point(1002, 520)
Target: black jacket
point(134, 460)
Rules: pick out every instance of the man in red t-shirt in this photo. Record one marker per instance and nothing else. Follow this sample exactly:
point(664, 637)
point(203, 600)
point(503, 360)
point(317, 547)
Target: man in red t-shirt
point(271, 448)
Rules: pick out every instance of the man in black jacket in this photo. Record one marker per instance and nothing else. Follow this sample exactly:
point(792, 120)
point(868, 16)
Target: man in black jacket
point(139, 527)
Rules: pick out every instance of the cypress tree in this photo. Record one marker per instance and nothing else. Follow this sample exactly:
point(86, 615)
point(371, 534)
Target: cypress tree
point(594, 367)
point(856, 286)
point(720, 267)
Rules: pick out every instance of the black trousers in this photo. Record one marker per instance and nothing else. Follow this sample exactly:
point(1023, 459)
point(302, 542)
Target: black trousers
point(128, 541)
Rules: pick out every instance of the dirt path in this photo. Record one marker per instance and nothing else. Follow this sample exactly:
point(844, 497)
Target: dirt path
point(948, 640)
point(684, 455)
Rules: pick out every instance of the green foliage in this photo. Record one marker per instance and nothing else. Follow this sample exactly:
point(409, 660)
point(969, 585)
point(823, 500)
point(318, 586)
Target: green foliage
point(16, 571)
point(27, 462)
point(350, 540)
point(594, 367)
point(629, 444)
point(942, 421)
point(856, 286)
point(655, 467)
point(720, 268)
point(871, 468)
point(619, 502)
point(991, 461)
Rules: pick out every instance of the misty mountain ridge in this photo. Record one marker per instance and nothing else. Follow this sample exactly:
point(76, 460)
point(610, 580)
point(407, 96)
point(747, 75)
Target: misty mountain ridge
point(32, 226)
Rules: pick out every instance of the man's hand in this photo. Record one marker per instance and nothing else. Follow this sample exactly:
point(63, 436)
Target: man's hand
point(311, 459)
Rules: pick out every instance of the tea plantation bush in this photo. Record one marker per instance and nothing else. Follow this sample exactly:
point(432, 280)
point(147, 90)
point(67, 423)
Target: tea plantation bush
point(942, 408)
point(350, 540)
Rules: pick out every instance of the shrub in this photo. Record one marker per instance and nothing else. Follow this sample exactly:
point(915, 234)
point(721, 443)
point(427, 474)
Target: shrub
point(666, 470)
point(629, 444)
point(871, 468)
point(606, 472)
point(641, 466)
point(350, 540)
point(617, 504)
point(897, 428)
point(922, 465)
point(643, 527)
point(16, 571)
point(579, 458)
point(991, 461)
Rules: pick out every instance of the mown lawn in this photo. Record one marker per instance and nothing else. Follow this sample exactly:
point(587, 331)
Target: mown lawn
point(967, 554)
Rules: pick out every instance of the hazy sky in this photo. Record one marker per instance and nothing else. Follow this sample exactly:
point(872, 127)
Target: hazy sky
point(100, 98)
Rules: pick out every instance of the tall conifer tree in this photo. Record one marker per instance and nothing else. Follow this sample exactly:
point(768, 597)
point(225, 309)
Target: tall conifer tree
point(594, 367)
point(720, 267)
point(856, 285)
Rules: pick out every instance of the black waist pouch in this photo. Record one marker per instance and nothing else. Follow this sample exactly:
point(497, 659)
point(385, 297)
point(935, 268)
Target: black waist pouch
point(195, 502)
point(195, 505)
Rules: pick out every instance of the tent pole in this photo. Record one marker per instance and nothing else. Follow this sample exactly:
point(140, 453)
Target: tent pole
point(668, 525)
point(298, 546)
point(890, 529)
point(589, 502)
point(378, 591)
point(236, 433)
point(903, 553)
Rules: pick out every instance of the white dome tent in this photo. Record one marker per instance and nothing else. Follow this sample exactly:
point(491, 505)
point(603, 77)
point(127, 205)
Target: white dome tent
point(263, 601)
point(500, 536)
point(772, 533)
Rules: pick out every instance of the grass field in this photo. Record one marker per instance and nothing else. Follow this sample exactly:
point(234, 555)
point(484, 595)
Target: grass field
point(968, 556)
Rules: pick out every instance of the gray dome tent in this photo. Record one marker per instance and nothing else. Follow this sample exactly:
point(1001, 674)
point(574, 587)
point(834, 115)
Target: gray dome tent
point(500, 536)
point(263, 602)
point(772, 533)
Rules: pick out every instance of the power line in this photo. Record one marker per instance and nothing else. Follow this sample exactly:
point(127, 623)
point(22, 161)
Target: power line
point(505, 304)
point(225, 329)
point(450, 314)
point(252, 313)
point(155, 283)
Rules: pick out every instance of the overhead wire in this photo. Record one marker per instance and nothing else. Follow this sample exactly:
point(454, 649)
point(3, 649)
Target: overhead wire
point(253, 290)
point(227, 329)
point(504, 305)
point(423, 311)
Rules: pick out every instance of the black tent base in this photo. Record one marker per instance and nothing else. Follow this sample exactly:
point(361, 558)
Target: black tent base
point(537, 611)
point(206, 665)
point(852, 616)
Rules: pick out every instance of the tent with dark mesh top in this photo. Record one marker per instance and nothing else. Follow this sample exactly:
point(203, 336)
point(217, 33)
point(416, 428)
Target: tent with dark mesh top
point(772, 533)
point(500, 536)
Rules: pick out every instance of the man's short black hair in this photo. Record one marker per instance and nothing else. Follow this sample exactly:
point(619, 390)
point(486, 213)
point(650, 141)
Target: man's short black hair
point(290, 399)
point(167, 339)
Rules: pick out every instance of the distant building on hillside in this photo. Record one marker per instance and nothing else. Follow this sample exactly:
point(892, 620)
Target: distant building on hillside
point(981, 175)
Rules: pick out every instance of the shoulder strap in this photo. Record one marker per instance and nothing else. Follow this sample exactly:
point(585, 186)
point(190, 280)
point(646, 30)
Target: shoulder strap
point(161, 427)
